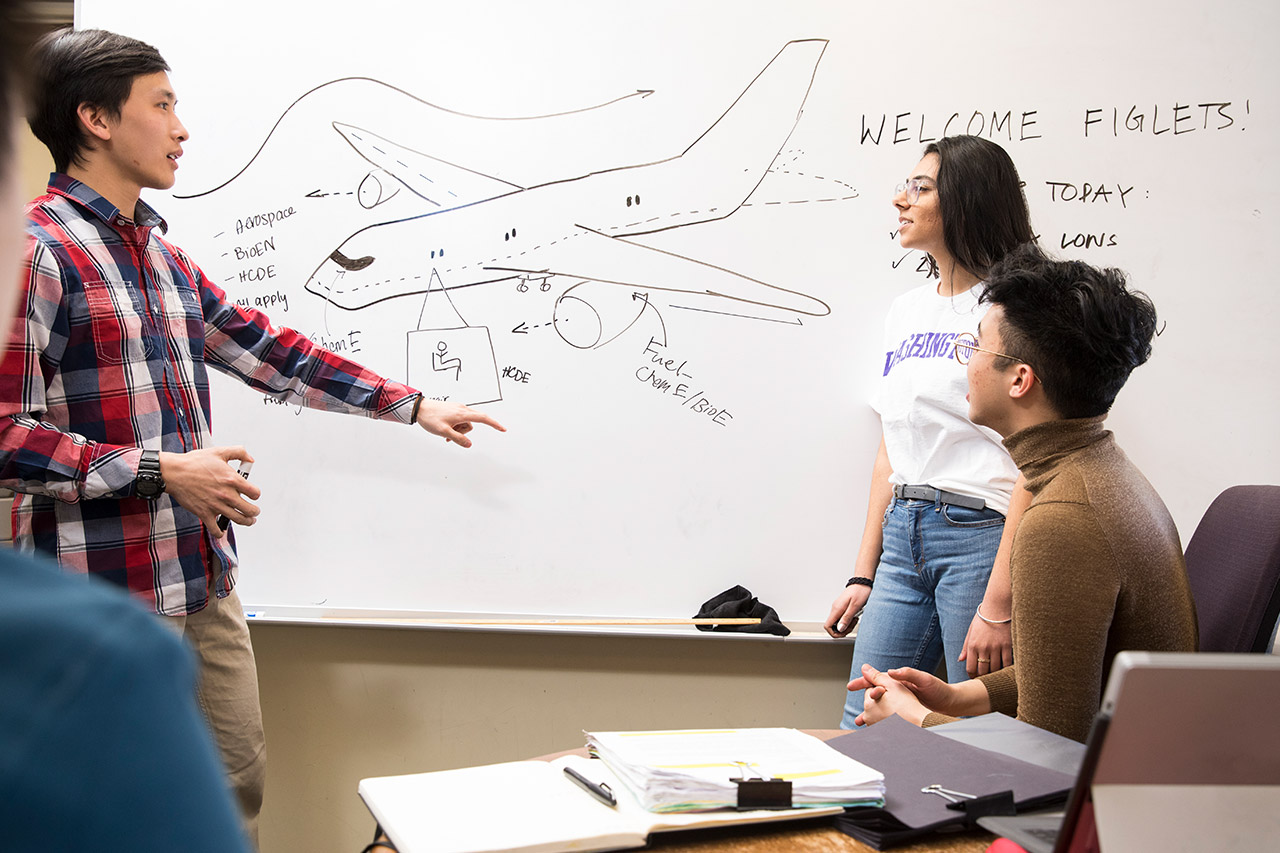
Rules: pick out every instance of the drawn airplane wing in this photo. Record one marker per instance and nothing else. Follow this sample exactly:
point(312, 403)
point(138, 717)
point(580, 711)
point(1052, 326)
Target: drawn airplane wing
point(441, 184)
point(617, 261)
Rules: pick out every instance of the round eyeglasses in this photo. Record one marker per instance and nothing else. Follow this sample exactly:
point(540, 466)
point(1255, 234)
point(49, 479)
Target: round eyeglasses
point(913, 188)
point(967, 344)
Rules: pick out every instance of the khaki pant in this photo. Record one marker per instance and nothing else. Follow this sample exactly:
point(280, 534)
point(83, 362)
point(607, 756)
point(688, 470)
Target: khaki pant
point(228, 696)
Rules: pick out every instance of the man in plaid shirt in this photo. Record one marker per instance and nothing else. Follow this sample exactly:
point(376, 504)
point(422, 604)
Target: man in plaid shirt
point(104, 397)
point(81, 659)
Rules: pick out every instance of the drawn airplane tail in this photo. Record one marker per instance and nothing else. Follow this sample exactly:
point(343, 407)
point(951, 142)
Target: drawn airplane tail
point(758, 118)
point(733, 156)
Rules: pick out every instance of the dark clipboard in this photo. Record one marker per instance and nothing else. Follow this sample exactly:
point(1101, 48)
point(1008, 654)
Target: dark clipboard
point(912, 758)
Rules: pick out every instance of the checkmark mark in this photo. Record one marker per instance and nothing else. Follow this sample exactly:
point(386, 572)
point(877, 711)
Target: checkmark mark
point(901, 259)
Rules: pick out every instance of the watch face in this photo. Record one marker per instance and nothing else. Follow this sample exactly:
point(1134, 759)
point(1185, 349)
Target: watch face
point(148, 488)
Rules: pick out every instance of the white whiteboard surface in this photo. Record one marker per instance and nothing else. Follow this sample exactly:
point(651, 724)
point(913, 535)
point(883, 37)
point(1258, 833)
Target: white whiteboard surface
point(1146, 130)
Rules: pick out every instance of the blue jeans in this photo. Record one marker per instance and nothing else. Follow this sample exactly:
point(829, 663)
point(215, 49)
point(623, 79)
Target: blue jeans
point(932, 575)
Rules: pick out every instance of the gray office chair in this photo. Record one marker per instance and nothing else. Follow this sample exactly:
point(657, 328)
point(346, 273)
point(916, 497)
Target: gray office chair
point(1233, 561)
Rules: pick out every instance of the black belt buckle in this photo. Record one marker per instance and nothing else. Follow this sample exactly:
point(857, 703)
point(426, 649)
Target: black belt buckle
point(915, 493)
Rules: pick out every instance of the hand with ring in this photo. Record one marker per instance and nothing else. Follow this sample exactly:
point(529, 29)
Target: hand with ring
point(987, 647)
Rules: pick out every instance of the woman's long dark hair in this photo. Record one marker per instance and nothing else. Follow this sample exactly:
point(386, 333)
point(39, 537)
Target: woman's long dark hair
point(984, 211)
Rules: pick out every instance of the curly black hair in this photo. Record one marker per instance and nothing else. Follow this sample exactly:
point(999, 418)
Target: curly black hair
point(1081, 327)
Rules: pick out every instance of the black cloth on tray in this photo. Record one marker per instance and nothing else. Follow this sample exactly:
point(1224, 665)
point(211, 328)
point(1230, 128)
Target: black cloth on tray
point(739, 603)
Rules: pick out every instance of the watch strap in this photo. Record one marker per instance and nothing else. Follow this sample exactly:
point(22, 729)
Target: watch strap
point(149, 484)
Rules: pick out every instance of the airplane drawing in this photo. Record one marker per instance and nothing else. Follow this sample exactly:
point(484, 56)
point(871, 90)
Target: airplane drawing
point(583, 232)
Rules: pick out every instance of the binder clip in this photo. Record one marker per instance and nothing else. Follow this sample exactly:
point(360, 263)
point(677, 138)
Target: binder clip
point(974, 807)
point(1000, 803)
point(759, 791)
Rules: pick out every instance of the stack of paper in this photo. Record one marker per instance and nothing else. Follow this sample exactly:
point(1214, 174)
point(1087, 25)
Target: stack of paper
point(691, 770)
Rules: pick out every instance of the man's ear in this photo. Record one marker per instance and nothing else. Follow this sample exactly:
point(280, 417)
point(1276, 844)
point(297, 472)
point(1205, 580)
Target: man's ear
point(1024, 377)
point(94, 120)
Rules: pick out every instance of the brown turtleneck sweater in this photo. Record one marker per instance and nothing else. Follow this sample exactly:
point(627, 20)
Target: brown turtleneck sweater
point(1097, 568)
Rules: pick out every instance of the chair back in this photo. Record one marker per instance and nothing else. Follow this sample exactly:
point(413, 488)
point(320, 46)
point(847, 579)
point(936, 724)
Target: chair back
point(1233, 562)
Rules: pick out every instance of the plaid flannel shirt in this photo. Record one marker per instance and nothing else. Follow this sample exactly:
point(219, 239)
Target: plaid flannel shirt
point(107, 358)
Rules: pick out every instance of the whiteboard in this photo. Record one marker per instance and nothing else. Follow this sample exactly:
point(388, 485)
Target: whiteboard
point(655, 241)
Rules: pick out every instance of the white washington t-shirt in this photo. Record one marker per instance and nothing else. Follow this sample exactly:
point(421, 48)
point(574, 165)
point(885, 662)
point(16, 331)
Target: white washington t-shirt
point(922, 406)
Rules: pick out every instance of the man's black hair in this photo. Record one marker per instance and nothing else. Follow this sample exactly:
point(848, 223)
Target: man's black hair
point(1080, 327)
point(74, 67)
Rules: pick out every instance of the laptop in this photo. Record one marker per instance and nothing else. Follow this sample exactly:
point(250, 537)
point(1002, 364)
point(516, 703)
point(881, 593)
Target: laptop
point(1183, 749)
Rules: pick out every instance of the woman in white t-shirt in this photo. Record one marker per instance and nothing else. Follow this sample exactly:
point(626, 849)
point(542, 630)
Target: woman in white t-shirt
point(941, 488)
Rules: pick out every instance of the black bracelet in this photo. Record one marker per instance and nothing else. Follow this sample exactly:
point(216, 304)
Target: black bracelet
point(374, 845)
point(857, 581)
point(379, 840)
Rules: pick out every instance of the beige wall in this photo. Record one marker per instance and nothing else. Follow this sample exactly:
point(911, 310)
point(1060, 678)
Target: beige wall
point(343, 703)
point(33, 157)
point(36, 164)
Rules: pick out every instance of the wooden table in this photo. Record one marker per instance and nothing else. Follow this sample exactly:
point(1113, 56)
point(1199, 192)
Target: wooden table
point(801, 836)
point(813, 836)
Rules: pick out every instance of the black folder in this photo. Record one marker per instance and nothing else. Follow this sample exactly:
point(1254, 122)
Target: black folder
point(912, 758)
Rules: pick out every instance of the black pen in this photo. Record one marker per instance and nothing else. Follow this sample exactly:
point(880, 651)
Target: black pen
point(601, 792)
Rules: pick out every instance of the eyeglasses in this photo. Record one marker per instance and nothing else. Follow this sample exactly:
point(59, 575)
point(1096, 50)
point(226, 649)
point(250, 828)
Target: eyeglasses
point(913, 188)
point(966, 345)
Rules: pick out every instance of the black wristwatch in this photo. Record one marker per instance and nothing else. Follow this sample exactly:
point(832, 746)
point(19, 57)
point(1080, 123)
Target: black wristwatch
point(149, 485)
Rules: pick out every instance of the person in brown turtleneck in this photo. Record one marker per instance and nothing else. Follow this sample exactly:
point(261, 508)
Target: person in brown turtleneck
point(1096, 563)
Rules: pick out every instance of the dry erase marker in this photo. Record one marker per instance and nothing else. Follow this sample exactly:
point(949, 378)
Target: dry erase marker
point(601, 791)
point(243, 470)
